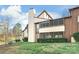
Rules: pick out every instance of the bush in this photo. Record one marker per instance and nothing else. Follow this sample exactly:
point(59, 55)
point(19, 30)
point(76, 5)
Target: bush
point(76, 36)
point(17, 40)
point(11, 42)
point(52, 40)
point(25, 39)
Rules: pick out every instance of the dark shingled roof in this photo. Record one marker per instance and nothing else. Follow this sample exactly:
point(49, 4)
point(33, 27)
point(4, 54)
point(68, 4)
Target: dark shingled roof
point(74, 8)
point(25, 28)
point(45, 12)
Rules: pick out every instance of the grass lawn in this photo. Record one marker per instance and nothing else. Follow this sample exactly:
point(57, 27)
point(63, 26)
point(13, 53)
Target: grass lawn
point(47, 48)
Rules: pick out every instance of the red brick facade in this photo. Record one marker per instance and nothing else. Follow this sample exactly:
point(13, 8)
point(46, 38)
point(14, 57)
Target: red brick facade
point(71, 23)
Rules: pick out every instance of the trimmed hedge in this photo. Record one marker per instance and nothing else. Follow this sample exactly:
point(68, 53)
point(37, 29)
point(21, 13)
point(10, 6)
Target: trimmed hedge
point(51, 40)
point(25, 39)
point(17, 40)
point(76, 36)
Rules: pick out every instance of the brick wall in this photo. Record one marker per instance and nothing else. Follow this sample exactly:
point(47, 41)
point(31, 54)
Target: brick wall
point(71, 23)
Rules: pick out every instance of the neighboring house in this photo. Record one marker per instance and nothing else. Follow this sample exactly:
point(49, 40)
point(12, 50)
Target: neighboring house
point(44, 26)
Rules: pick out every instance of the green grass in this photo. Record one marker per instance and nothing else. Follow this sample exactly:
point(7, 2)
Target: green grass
point(47, 48)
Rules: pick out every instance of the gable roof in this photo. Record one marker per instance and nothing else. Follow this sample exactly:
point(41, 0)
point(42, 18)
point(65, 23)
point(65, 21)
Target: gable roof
point(25, 28)
point(43, 12)
point(50, 16)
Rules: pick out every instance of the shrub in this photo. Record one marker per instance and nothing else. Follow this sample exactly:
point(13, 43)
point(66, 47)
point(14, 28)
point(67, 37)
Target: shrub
point(11, 42)
point(76, 36)
point(17, 40)
point(51, 40)
point(25, 39)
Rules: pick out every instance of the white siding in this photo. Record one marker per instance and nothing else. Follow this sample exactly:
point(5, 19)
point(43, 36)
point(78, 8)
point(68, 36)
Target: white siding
point(36, 20)
point(52, 29)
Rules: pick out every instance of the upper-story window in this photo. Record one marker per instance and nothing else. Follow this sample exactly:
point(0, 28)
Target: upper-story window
point(51, 23)
point(60, 22)
point(37, 28)
point(56, 22)
point(44, 24)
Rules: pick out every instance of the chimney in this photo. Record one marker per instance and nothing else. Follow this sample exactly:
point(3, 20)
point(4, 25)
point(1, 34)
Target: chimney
point(31, 12)
point(31, 25)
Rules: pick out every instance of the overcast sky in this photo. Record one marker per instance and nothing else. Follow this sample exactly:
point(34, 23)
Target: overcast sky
point(19, 13)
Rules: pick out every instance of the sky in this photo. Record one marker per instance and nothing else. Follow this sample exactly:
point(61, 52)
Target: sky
point(19, 13)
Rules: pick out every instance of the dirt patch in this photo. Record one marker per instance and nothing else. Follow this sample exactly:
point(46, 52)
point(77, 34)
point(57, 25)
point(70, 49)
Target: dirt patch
point(8, 49)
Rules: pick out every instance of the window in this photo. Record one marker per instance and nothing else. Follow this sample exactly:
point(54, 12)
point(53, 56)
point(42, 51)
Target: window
point(42, 35)
point(37, 27)
point(44, 24)
point(45, 35)
point(55, 22)
point(37, 35)
point(60, 22)
point(60, 34)
point(51, 23)
point(51, 35)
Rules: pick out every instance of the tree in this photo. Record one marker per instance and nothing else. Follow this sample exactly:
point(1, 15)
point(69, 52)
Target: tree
point(17, 30)
point(76, 36)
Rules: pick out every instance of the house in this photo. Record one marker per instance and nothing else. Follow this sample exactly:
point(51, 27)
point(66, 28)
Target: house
point(44, 26)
